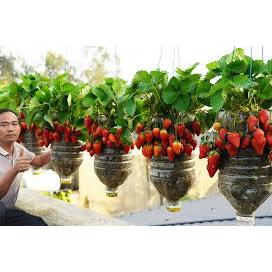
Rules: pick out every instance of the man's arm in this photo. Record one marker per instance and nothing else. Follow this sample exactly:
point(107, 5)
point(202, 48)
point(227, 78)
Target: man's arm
point(42, 159)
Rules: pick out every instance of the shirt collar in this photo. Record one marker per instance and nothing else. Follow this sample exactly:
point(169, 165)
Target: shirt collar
point(5, 153)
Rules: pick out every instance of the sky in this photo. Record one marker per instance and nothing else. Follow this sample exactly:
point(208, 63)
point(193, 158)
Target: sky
point(133, 58)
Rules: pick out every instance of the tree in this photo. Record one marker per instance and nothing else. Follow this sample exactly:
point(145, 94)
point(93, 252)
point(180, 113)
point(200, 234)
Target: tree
point(56, 64)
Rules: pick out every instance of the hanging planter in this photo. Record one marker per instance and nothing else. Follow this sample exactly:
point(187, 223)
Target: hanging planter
point(173, 178)
point(239, 142)
point(112, 167)
point(108, 131)
point(168, 133)
point(66, 159)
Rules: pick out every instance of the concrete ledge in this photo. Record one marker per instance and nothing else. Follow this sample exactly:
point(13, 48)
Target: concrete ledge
point(59, 213)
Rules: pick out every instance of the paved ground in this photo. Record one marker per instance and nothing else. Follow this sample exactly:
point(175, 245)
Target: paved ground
point(210, 211)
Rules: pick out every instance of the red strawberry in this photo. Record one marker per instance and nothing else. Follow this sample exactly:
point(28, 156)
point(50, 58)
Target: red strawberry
point(177, 147)
point(170, 153)
point(232, 150)
point(223, 134)
point(234, 138)
point(83, 147)
point(188, 149)
point(112, 138)
point(148, 136)
point(166, 123)
point(105, 133)
point(67, 131)
point(74, 139)
point(39, 132)
point(87, 121)
point(265, 126)
point(164, 135)
point(60, 128)
point(196, 127)
point(23, 125)
point(246, 141)
point(41, 142)
point(258, 135)
point(219, 143)
point(203, 150)
point(139, 127)
point(259, 147)
point(149, 151)
point(165, 144)
point(92, 152)
point(264, 116)
point(180, 129)
point(109, 144)
point(21, 116)
point(211, 170)
point(171, 138)
point(126, 149)
point(188, 136)
point(214, 159)
point(269, 139)
point(138, 143)
point(89, 146)
point(46, 133)
point(157, 150)
point(270, 128)
point(193, 143)
point(156, 132)
point(97, 146)
point(141, 138)
point(56, 136)
point(252, 122)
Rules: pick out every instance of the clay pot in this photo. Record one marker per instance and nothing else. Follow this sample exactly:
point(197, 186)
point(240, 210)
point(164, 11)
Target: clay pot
point(172, 179)
point(112, 167)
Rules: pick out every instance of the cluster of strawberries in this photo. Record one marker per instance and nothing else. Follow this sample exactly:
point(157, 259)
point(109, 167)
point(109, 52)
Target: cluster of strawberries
point(99, 137)
point(46, 136)
point(258, 136)
point(171, 141)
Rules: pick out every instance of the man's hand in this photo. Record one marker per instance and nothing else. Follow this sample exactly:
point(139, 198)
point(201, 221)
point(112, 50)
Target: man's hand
point(22, 164)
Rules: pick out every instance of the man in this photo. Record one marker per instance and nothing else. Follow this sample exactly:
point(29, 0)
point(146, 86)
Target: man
point(14, 160)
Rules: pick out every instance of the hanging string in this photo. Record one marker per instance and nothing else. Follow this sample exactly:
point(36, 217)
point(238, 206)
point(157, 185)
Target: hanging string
point(262, 52)
point(250, 68)
point(160, 58)
point(233, 53)
point(178, 58)
point(174, 60)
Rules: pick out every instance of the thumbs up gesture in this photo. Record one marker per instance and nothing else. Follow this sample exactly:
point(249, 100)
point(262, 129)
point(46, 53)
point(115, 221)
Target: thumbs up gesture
point(23, 164)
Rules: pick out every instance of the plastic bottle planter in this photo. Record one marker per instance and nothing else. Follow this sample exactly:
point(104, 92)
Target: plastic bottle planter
point(172, 179)
point(112, 167)
point(66, 159)
point(245, 181)
point(30, 142)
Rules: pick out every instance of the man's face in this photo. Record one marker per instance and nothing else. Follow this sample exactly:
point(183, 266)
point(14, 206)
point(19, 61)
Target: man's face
point(9, 127)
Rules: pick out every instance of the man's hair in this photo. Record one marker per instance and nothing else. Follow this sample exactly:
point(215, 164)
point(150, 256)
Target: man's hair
point(7, 110)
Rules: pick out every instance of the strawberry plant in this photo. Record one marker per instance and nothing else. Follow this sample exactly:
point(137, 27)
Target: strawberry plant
point(111, 111)
point(172, 112)
point(239, 90)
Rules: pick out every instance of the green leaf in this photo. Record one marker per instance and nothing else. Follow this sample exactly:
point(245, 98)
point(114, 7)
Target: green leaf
point(191, 68)
point(269, 66)
point(174, 82)
point(121, 122)
point(130, 106)
point(88, 101)
point(242, 81)
point(222, 84)
point(119, 87)
point(101, 95)
point(203, 88)
point(141, 76)
point(213, 65)
point(125, 137)
point(48, 118)
point(265, 88)
point(238, 66)
point(170, 95)
point(182, 102)
point(217, 101)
